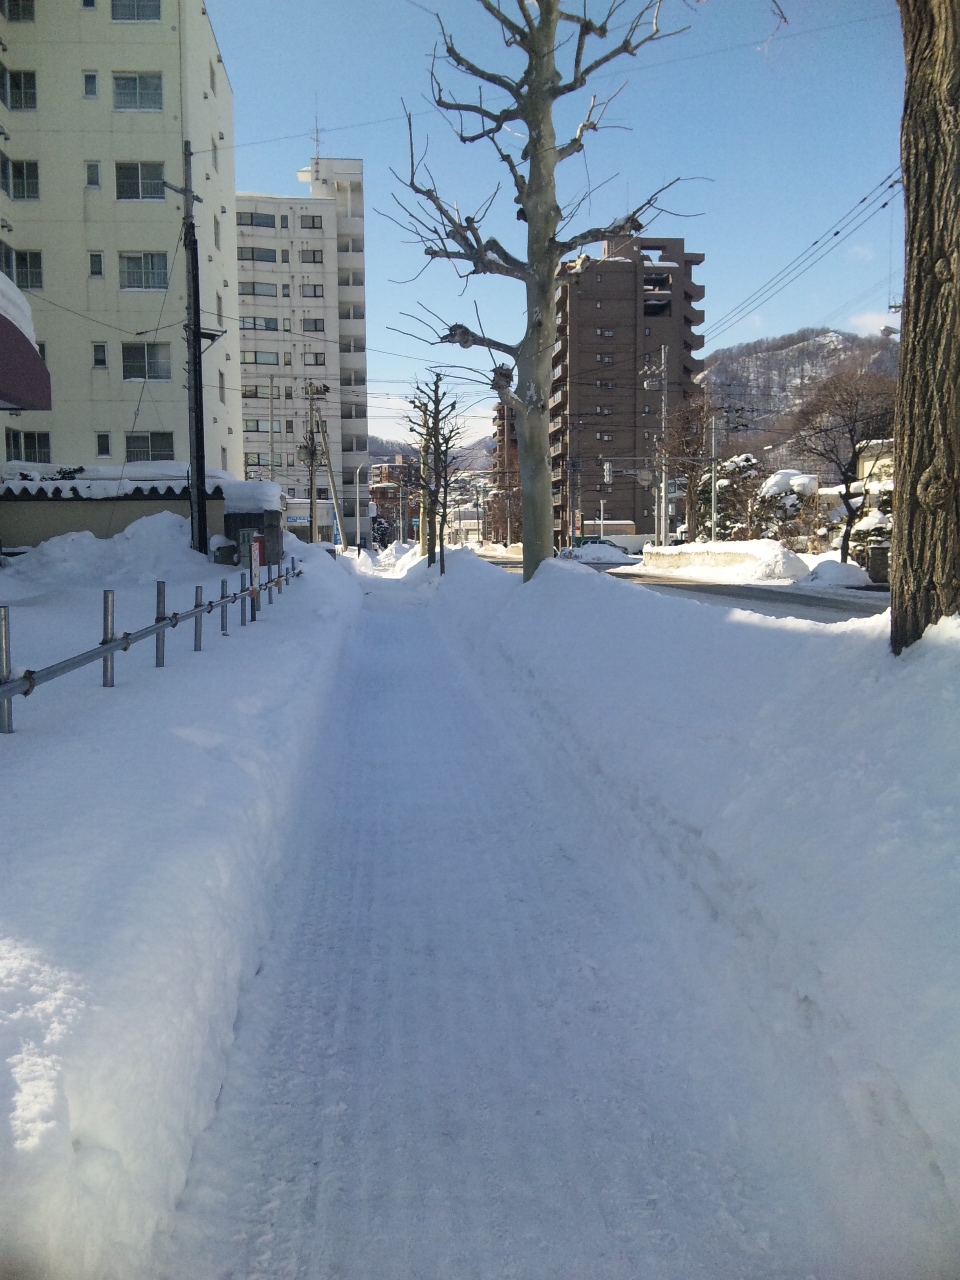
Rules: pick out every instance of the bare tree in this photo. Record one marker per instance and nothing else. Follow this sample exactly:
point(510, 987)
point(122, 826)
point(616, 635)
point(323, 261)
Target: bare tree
point(543, 34)
point(925, 558)
point(438, 430)
point(688, 448)
point(835, 427)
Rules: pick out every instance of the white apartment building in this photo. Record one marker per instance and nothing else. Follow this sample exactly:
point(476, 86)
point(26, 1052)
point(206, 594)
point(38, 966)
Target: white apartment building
point(97, 98)
point(302, 321)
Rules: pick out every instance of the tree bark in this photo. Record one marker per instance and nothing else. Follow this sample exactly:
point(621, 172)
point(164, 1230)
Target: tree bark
point(925, 556)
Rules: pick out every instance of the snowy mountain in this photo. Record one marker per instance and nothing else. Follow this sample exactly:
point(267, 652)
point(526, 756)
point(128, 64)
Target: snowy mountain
point(758, 382)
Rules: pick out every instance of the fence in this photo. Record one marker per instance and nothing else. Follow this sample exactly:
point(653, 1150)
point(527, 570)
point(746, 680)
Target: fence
point(111, 644)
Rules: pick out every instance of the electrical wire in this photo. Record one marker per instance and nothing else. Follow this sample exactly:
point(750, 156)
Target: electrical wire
point(866, 208)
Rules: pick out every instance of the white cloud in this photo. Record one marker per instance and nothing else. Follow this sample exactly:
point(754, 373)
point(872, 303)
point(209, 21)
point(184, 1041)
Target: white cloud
point(866, 322)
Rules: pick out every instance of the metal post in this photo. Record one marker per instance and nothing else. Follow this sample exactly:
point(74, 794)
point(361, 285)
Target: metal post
point(223, 607)
point(6, 706)
point(161, 616)
point(243, 600)
point(107, 637)
point(198, 620)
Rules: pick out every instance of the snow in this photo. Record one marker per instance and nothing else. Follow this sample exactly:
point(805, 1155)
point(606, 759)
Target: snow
point(651, 972)
point(241, 497)
point(762, 560)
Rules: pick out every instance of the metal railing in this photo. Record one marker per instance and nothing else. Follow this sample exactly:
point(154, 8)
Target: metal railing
point(111, 644)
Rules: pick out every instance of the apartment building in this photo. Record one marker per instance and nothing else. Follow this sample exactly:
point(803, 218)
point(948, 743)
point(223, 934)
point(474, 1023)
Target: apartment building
point(616, 315)
point(97, 98)
point(301, 297)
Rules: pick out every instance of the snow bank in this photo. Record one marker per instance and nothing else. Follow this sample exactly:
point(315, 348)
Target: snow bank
point(761, 561)
point(141, 831)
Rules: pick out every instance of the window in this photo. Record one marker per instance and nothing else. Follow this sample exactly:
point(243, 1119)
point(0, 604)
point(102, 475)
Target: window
point(247, 253)
point(137, 91)
point(311, 222)
point(248, 287)
point(269, 323)
point(140, 180)
point(28, 446)
point(93, 173)
point(312, 326)
point(146, 362)
point(311, 291)
point(22, 90)
point(25, 180)
point(96, 265)
point(135, 10)
point(314, 357)
point(284, 255)
point(89, 84)
point(150, 446)
point(311, 255)
point(256, 220)
point(284, 222)
point(259, 357)
point(18, 10)
point(143, 271)
point(29, 268)
point(103, 444)
point(100, 358)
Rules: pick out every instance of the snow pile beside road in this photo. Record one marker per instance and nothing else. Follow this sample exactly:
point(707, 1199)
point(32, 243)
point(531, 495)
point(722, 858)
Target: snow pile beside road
point(141, 827)
point(760, 561)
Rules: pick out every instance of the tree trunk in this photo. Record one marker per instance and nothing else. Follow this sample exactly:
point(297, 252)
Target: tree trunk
point(534, 363)
point(925, 556)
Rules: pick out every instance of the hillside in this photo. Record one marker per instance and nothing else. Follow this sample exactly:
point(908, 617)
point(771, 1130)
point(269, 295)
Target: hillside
point(758, 382)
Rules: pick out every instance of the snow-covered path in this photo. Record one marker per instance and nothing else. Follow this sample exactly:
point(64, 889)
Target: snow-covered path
point(450, 1064)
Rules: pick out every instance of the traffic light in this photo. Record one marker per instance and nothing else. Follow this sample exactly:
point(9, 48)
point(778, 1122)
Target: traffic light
point(608, 473)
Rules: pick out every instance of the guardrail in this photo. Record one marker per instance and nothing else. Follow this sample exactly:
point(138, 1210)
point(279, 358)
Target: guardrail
point(112, 644)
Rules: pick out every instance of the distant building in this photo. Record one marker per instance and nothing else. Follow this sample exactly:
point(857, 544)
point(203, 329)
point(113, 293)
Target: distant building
point(97, 101)
point(615, 314)
point(303, 321)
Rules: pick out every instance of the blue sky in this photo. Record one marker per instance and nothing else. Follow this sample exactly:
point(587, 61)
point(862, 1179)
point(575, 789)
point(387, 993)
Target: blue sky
point(777, 133)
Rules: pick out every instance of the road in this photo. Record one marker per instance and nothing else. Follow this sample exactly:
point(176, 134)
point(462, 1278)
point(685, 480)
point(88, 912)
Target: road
point(454, 1061)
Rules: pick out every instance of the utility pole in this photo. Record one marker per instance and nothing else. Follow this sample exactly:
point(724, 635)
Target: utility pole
point(713, 476)
point(665, 512)
point(198, 467)
point(272, 476)
point(330, 476)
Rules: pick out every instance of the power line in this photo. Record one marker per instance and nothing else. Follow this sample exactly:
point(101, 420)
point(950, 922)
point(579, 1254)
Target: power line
point(809, 257)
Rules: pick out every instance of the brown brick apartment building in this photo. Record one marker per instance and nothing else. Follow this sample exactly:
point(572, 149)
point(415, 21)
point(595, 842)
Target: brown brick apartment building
point(615, 314)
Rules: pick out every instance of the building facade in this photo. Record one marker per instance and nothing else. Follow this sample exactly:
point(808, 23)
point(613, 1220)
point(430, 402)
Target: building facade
point(302, 316)
point(617, 316)
point(97, 99)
